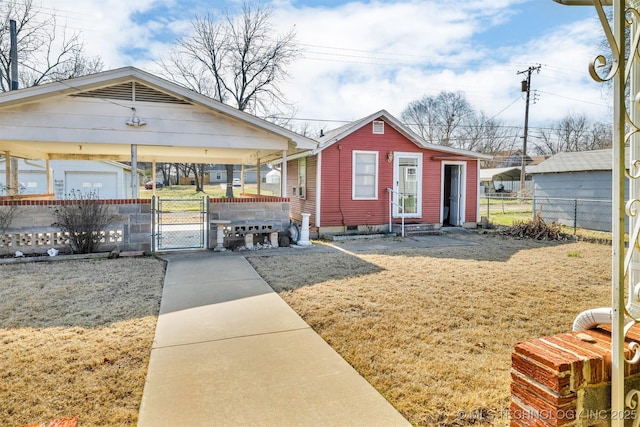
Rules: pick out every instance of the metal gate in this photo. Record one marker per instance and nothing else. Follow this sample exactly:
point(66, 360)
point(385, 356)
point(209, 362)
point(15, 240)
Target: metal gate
point(179, 223)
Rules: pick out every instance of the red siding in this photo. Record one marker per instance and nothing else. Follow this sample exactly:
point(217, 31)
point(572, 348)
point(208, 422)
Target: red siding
point(308, 204)
point(338, 208)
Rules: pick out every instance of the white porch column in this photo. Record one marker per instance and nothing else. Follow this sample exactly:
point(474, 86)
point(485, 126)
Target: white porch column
point(242, 174)
point(15, 182)
point(258, 176)
point(283, 175)
point(153, 175)
point(7, 173)
point(135, 185)
point(153, 170)
point(49, 176)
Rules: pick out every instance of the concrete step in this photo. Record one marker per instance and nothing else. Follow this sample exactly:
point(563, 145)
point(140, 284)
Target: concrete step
point(416, 229)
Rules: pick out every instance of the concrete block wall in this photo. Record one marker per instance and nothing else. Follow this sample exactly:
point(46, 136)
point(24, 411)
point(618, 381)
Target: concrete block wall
point(274, 211)
point(32, 230)
point(565, 380)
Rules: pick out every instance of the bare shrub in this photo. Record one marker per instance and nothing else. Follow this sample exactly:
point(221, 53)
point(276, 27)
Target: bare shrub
point(7, 213)
point(85, 219)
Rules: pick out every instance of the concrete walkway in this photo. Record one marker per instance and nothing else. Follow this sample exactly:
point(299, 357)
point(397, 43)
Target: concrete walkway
point(228, 351)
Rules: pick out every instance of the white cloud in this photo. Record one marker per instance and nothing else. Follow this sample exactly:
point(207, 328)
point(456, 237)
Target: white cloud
point(361, 57)
point(432, 50)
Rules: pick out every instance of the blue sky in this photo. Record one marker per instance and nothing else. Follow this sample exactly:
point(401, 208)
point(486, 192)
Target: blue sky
point(359, 57)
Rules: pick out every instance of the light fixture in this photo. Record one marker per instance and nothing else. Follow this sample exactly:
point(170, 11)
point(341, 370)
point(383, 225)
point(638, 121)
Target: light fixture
point(390, 156)
point(134, 120)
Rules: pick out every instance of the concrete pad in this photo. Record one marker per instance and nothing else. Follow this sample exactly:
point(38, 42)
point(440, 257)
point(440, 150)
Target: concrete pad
point(282, 379)
point(376, 246)
point(255, 315)
point(207, 267)
point(229, 351)
point(198, 293)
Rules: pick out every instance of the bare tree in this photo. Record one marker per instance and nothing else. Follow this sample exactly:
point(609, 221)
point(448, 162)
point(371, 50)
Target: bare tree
point(46, 52)
point(573, 132)
point(439, 119)
point(449, 119)
point(485, 135)
point(237, 60)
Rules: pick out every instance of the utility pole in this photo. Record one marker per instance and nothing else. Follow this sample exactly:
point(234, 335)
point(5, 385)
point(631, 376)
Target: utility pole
point(526, 87)
point(12, 163)
point(13, 54)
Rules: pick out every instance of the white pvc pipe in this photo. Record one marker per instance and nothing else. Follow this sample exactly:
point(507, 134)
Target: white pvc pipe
point(590, 319)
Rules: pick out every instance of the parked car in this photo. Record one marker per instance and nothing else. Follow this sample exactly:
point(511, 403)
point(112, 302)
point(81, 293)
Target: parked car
point(237, 182)
point(149, 185)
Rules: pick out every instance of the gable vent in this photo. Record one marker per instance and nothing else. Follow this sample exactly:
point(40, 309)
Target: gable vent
point(131, 91)
point(378, 127)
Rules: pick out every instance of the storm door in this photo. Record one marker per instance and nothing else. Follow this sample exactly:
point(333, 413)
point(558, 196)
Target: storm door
point(407, 175)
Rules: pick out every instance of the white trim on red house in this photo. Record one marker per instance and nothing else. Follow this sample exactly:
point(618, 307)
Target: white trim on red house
point(318, 188)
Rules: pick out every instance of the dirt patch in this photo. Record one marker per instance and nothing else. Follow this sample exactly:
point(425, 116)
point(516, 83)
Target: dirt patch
point(75, 338)
point(433, 328)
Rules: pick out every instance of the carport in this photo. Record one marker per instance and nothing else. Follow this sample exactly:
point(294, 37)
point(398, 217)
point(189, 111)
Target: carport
point(130, 115)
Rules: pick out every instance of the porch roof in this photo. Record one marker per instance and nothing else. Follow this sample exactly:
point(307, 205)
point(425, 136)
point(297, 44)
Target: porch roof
point(94, 118)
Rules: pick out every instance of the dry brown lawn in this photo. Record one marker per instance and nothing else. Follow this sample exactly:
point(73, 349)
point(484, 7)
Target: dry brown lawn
point(433, 329)
point(75, 339)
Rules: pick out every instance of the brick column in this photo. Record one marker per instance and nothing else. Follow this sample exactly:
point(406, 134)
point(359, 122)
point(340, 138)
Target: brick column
point(565, 380)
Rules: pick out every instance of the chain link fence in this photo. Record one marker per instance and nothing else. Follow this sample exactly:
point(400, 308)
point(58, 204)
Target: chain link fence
point(575, 213)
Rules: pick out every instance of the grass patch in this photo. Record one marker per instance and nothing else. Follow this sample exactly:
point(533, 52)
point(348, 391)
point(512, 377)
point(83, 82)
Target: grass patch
point(76, 338)
point(433, 329)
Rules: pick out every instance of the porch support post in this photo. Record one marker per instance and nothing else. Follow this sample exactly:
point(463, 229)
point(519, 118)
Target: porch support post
point(283, 175)
point(135, 185)
point(618, 218)
point(49, 173)
point(258, 176)
point(15, 182)
point(7, 173)
point(242, 174)
point(153, 175)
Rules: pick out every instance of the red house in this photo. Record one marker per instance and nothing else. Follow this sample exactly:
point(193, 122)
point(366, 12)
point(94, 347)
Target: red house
point(364, 175)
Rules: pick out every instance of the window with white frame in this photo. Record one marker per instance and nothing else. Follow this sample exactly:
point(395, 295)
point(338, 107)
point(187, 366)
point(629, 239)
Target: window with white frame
point(365, 175)
point(302, 177)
